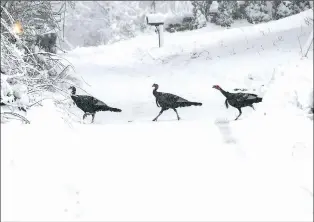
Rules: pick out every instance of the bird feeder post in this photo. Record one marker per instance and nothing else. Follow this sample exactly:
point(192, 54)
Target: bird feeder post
point(157, 20)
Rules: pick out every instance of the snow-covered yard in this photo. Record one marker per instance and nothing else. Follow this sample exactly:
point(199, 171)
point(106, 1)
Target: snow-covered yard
point(204, 167)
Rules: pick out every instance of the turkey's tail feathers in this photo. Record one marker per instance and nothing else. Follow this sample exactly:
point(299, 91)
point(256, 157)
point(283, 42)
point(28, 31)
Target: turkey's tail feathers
point(111, 109)
point(258, 99)
point(108, 108)
point(195, 104)
point(183, 104)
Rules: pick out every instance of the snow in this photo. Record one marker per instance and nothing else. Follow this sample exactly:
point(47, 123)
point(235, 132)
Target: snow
point(14, 95)
point(214, 6)
point(173, 19)
point(155, 18)
point(203, 167)
point(292, 88)
point(6, 90)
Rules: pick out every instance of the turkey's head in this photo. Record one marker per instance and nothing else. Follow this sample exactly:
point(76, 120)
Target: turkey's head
point(73, 90)
point(155, 86)
point(216, 87)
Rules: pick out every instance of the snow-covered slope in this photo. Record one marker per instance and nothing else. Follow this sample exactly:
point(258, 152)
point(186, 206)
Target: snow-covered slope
point(126, 167)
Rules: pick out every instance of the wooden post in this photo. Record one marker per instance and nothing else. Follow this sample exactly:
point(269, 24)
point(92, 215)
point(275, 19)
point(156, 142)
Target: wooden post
point(161, 35)
point(158, 35)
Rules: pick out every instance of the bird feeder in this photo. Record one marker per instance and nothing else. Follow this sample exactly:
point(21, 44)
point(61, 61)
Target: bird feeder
point(157, 20)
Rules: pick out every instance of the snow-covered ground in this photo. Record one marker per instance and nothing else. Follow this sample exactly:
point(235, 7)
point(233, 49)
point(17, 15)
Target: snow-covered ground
point(126, 167)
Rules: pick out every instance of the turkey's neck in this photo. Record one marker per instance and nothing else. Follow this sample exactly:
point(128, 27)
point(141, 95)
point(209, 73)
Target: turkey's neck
point(225, 93)
point(73, 92)
point(155, 91)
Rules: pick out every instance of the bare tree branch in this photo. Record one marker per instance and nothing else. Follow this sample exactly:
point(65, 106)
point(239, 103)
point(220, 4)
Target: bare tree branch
point(17, 115)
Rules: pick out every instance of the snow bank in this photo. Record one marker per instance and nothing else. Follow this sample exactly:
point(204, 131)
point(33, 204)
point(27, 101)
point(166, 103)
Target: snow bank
point(46, 115)
point(291, 89)
point(279, 137)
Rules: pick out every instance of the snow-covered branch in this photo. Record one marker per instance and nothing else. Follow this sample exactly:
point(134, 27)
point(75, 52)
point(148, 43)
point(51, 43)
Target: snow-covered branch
point(25, 67)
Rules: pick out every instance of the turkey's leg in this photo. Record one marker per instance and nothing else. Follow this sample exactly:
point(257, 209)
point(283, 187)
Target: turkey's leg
point(226, 103)
point(93, 115)
point(239, 113)
point(177, 114)
point(85, 114)
point(161, 111)
point(252, 106)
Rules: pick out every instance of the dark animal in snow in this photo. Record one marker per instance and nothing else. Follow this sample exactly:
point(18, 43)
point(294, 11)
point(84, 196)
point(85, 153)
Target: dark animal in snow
point(47, 41)
point(90, 105)
point(239, 100)
point(169, 101)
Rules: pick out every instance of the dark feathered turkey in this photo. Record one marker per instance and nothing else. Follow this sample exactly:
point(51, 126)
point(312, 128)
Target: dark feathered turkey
point(169, 101)
point(90, 105)
point(239, 100)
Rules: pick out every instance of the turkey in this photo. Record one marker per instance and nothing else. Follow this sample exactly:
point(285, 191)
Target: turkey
point(90, 105)
point(239, 100)
point(169, 101)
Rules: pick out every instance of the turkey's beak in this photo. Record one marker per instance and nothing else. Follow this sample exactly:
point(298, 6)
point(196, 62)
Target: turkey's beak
point(213, 87)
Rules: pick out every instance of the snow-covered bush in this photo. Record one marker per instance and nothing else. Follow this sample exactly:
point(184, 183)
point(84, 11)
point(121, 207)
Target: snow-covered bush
point(199, 19)
point(127, 20)
point(180, 24)
point(239, 10)
point(93, 23)
point(257, 12)
point(169, 8)
point(27, 70)
point(184, 15)
point(298, 6)
point(7, 96)
point(202, 7)
point(281, 9)
point(226, 13)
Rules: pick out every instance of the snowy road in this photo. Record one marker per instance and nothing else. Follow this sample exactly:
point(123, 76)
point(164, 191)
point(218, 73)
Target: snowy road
point(194, 169)
point(128, 84)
